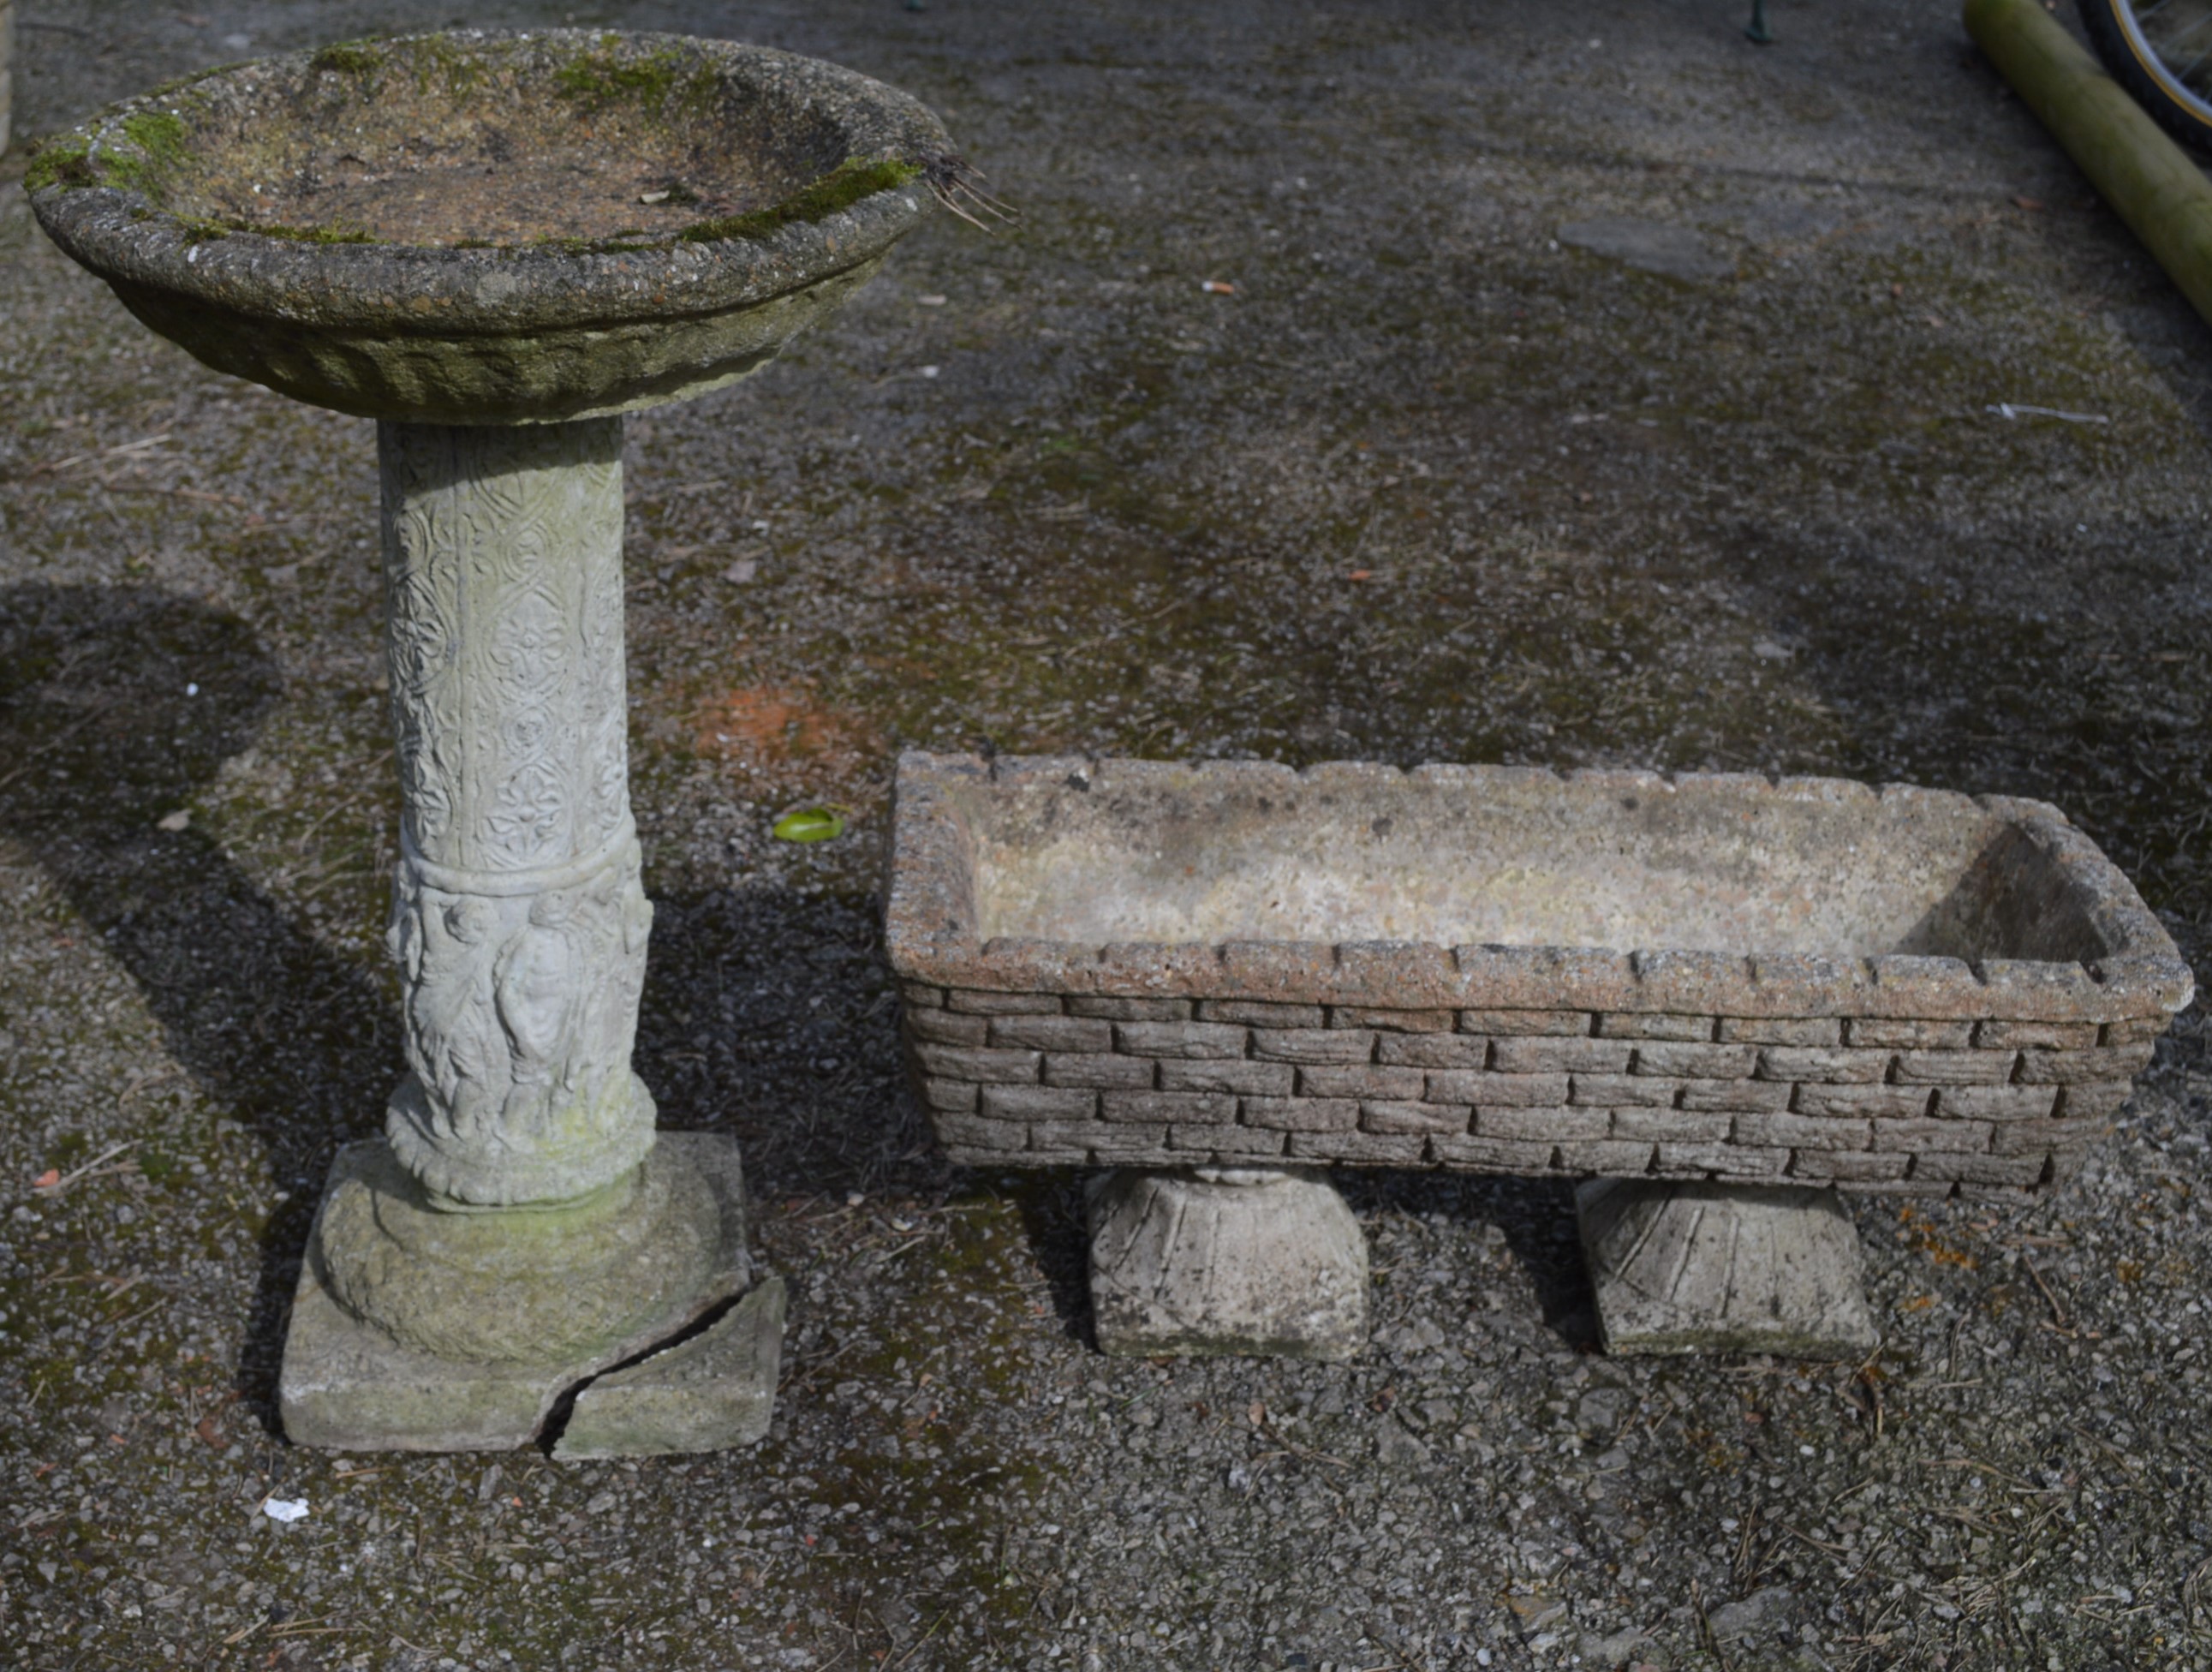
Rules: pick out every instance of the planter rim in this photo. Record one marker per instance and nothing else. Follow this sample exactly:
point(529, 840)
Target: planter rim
point(930, 935)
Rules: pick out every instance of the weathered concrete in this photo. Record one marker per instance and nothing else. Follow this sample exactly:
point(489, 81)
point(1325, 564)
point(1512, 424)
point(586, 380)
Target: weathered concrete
point(1723, 1269)
point(1226, 1261)
point(598, 1277)
point(251, 215)
point(1499, 970)
point(518, 921)
point(518, 1233)
point(707, 1394)
point(419, 1330)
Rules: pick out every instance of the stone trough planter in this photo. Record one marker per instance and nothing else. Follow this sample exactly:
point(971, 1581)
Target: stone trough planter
point(1700, 979)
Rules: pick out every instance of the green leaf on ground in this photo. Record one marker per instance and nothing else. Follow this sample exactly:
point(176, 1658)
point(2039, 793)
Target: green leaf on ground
point(811, 824)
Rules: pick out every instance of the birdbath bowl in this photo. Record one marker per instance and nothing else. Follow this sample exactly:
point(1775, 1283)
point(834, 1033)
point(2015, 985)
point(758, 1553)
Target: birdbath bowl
point(494, 245)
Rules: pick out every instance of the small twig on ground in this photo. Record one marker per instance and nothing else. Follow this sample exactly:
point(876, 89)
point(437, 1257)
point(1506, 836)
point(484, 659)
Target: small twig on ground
point(51, 743)
point(1981, 1467)
point(123, 447)
point(944, 1615)
point(230, 500)
point(1288, 1447)
point(2058, 1313)
point(2106, 1446)
point(1744, 1574)
point(70, 1178)
point(796, 1381)
point(1865, 1379)
point(167, 1070)
point(1803, 1537)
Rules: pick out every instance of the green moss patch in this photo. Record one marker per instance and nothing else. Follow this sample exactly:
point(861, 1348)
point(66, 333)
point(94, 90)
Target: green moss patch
point(63, 162)
point(348, 57)
point(156, 139)
point(843, 186)
point(159, 134)
point(437, 58)
point(654, 81)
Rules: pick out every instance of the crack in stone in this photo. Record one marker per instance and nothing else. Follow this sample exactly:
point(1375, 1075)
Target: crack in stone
point(563, 1407)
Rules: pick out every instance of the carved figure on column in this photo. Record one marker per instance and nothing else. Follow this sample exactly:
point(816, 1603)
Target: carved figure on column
point(445, 949)
point(519, 915)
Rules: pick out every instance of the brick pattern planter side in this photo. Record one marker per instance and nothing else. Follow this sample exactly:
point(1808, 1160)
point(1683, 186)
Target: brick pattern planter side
point(1907, 1106)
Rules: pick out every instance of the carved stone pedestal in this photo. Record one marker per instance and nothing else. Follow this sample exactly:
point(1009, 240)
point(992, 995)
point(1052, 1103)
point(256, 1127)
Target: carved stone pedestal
point(1226, 1261)
point(519, 1231)
point(1723, 1269)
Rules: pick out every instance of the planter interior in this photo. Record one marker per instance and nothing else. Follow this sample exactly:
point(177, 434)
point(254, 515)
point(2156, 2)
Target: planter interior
point(1705, 862)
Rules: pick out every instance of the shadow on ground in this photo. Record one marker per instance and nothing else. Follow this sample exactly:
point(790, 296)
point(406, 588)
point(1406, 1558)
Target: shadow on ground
point(117, 705)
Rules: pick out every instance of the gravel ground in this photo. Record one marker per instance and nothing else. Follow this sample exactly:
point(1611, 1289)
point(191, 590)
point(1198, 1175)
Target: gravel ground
point(1595, 390)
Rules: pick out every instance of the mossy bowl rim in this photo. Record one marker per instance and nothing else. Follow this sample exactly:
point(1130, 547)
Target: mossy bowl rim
point(119, 232)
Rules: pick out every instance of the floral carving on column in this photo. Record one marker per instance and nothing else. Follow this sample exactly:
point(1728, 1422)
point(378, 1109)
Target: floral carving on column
point(519, 918)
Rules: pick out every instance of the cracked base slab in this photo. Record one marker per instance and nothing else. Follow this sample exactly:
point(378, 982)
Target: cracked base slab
point(1221, 1261)
point(1723, 1269)
point(707, 1394)
point(347, 1385)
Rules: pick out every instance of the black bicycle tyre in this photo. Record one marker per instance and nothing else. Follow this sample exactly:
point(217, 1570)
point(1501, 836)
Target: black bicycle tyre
point(2142, 59)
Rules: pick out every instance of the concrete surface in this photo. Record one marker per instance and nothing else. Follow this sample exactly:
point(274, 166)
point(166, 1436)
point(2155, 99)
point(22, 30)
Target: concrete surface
point(419, 1330)
point(1599, 515)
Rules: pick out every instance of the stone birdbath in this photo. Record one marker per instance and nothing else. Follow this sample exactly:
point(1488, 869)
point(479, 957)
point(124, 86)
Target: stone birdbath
point(495, 245)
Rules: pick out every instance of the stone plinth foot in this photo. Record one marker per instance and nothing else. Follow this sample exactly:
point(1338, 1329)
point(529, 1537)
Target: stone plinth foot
point(1222, 1261)
point(709, 1393)
point(1723, 1269)
point(419, 1329)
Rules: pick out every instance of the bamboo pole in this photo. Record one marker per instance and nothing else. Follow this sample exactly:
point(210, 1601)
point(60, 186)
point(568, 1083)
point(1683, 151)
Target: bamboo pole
point(2146, 177)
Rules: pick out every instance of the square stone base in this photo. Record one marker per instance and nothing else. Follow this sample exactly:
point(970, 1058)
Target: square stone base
point(1723, 1269)
point(347, 1386)
point(1220, 1261)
